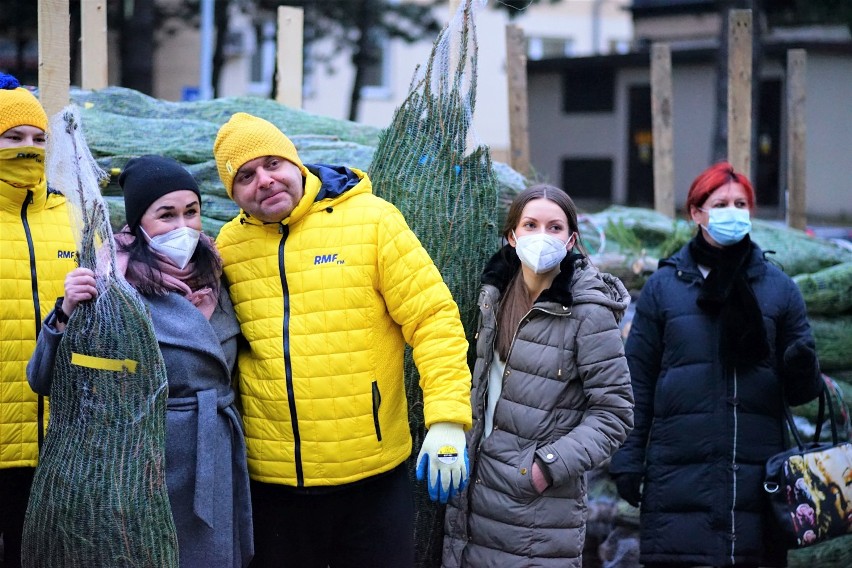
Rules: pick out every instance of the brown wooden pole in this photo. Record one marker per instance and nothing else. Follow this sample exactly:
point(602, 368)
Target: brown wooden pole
point(93, 20)
point(291, 25)
point(796, 149)
point(739, 90)
point(54, 54)
point(516, 71)
point(661, 116)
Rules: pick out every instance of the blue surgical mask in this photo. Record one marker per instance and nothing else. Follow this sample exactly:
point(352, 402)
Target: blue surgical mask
point(728, 225)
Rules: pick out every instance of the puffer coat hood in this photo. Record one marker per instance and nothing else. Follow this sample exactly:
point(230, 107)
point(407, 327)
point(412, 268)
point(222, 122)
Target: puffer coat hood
point(565, 401)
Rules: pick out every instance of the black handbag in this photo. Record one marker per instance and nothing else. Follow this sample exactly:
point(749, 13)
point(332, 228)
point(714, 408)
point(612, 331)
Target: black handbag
point(810, 485)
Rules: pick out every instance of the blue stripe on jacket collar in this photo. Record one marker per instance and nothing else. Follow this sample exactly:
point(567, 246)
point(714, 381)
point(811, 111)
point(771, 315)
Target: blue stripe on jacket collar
point(336, 180)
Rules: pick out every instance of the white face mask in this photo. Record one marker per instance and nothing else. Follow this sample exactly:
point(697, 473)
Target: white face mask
point(177, 245)
point(540, 252)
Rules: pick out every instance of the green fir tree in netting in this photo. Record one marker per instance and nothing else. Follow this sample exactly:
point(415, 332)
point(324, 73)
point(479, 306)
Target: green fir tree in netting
point(449, 197)
point(99, 495)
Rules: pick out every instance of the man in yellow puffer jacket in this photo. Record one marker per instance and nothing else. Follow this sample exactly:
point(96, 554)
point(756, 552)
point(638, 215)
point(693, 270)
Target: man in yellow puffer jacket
point(329, 284)
point(37, 250)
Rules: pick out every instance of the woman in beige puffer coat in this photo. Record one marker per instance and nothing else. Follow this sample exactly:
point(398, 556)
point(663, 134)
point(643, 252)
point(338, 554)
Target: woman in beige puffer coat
point(551, 393)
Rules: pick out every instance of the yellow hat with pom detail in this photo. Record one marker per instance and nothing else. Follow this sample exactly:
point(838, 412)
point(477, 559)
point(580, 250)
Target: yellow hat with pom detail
point(246, 137)
point(19, 107)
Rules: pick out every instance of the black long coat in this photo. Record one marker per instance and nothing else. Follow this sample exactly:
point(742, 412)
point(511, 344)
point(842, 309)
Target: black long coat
point(703, 430)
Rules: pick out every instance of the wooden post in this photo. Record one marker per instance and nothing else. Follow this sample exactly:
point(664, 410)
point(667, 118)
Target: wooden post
point(739, 90)
point(291, 29)
point(661, 115)
point(796, 151)
point(54, 55)
point(93, 52)
point(516, 72)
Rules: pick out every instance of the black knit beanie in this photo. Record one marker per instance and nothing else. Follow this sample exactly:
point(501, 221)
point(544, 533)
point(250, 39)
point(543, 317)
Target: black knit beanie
point(146, 179)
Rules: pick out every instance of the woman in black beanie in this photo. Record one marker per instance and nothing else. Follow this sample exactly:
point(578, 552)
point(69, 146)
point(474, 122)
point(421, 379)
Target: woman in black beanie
point(177, 271)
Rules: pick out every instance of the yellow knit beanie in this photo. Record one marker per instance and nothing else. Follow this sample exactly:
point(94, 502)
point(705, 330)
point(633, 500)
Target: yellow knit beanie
point(245, 137)
point(19, 107)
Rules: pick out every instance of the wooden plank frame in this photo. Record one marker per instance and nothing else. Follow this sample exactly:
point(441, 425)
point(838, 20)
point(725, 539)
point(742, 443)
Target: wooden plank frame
point(739, 90)
point(290, 41)
point(796, 138)
point(93, 44)
point(516, 72)
point(662, 117)
point(54, 55)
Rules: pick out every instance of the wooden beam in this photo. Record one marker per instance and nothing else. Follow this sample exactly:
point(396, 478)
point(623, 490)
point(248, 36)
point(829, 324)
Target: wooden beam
point(93, 52)
point(516, 72)
point(661, 115)
point(291, 25)
point(739, 90)
point(796, 149)
point(54, 55)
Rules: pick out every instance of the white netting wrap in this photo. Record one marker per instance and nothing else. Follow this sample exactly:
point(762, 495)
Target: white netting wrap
point(99, 495)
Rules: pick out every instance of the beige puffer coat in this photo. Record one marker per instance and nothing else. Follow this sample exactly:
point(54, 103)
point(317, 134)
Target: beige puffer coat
point(566, 399)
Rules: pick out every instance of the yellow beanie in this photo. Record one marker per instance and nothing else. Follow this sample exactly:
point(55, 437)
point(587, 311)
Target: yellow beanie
point(19, 107)
point(245, 137)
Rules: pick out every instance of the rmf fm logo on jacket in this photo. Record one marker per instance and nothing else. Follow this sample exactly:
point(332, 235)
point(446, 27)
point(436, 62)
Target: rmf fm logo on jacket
point(327, 258)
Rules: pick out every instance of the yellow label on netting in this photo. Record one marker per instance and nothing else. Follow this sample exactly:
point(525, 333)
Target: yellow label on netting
point(102, 363)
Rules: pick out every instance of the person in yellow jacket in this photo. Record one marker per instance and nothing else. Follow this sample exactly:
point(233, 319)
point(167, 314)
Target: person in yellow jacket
point(37, 250)
point(329, 283)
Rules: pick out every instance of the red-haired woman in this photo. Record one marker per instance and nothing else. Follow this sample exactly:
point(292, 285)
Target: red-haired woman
point(719, 331)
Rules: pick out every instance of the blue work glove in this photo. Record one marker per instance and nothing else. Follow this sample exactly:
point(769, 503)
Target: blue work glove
point(444, 455)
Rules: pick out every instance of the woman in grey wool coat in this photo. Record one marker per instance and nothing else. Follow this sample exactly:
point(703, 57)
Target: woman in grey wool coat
point(551, 393)
point(177, 271)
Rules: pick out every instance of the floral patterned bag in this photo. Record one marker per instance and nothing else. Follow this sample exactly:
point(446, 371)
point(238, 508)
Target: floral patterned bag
point(810, 485)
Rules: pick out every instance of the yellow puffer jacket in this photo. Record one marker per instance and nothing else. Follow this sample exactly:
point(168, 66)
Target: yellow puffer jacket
point(37, 250)
point(321, 381)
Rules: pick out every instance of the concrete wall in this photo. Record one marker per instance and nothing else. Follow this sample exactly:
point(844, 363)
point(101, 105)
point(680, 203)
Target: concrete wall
point(829, 136)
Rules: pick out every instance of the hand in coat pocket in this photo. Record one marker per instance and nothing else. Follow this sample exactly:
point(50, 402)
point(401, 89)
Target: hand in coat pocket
point(540, 478)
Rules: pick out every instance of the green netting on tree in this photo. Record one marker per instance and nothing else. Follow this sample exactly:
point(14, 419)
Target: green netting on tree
point(829, 554)
point(107, 112)
point(448, 195)
point(833, 337)
point(99, 494)
point(828, 291)
point(795, 251)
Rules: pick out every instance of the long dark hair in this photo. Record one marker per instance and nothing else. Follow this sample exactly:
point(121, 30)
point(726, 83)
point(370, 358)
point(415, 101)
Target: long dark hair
point(144, 273)
point(516, 301)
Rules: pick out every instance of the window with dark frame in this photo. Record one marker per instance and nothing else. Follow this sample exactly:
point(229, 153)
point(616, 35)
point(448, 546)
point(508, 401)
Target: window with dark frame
point(587, 178)
point(588, 90)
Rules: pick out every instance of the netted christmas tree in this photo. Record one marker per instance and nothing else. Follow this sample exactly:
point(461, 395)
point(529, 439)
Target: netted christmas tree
point(448, 195)
point(99, 495)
